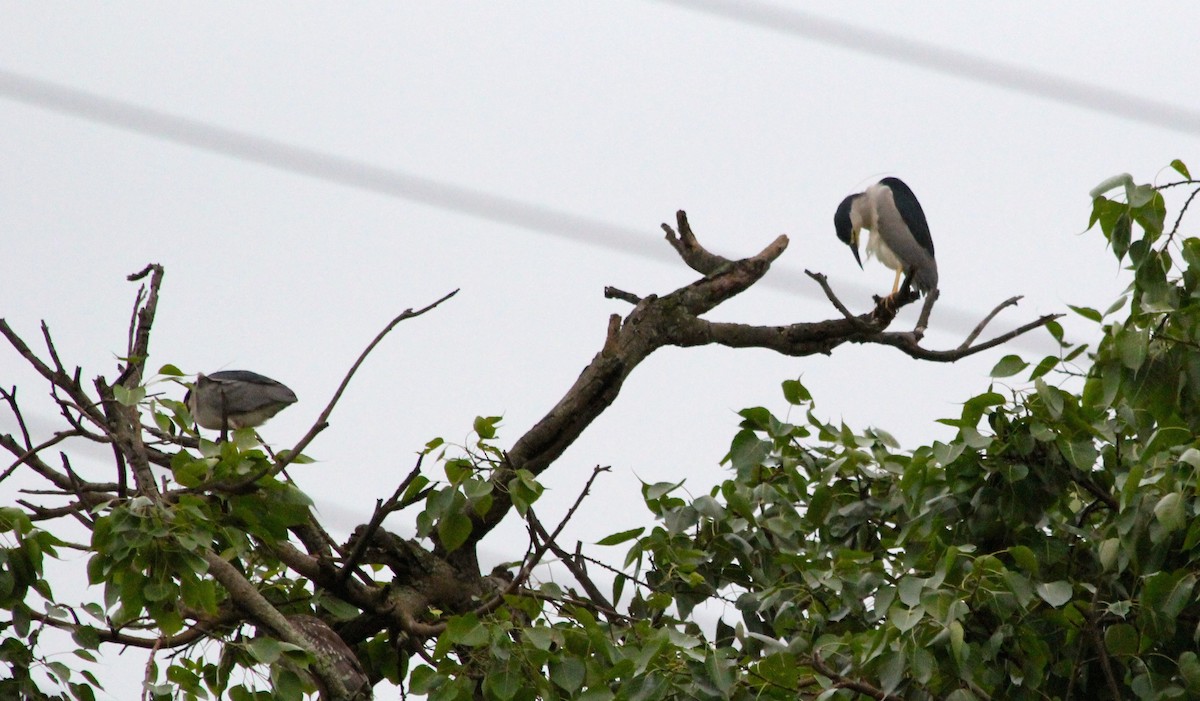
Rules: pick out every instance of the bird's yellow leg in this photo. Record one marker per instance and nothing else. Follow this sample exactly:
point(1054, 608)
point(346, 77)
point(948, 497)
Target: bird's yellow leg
point(896, 285)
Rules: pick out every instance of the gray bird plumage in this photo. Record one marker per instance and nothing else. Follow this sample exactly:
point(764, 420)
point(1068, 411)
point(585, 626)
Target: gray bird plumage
point(344, 662)
point(900, 236)
point(233, 399)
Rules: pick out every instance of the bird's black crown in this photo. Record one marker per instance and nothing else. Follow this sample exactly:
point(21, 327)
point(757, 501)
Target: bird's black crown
point(841, 220)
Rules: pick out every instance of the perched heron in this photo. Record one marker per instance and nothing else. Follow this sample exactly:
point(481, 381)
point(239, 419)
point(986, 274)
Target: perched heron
point(329, 645)
point(236, 399)
point(899, 233)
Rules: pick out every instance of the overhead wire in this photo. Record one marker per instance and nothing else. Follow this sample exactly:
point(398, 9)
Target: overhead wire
point(951, 62)
point(562, 224)
point(349, 172)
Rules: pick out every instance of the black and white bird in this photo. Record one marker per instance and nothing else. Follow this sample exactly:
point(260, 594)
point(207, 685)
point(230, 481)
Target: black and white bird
point(899, 233)
point(233, 399)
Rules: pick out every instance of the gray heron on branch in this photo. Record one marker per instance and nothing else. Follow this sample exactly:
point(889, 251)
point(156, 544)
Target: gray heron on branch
point(233, 399)
point(899, 233)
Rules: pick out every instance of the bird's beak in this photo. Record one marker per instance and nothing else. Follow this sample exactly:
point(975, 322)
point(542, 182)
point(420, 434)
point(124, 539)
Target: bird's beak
point(854, 248)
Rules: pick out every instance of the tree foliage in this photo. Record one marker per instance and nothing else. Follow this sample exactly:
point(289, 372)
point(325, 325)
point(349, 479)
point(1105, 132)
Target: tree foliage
point(1047, 551)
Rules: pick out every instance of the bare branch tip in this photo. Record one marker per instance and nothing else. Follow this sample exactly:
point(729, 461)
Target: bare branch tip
point(150, 267)
point(610, 339)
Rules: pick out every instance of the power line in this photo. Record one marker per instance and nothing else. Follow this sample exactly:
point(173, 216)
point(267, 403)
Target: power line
point(959, 64)
point(339, 170)
point(289, 158)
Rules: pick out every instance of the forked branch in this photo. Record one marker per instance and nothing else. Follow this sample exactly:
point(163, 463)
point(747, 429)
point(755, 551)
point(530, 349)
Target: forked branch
point(674, 319)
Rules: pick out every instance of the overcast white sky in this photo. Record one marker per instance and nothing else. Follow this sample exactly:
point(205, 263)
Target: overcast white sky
point(527, 153)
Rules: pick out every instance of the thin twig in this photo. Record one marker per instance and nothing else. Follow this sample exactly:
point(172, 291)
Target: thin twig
point(1179, 219)
point(533, 559)
point(21, 459)
point(382, 509)
point(579, 571)
point(837, 303)
point(1010, 302)
point(151, 672)
point(1105, 664)
point(906, 343)
point(923, 320)
point(614, 293)
point(10, 396)
point(323, 420)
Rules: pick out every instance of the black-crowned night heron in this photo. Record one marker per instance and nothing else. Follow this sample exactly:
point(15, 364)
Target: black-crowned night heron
point(899, 233)
point(330, 646)
point(233, 399)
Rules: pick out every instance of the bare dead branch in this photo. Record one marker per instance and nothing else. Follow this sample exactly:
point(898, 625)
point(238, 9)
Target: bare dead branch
point(837, 303)
point(1010, 302)
point(575, 564)
point(10, 396)
point(58, 479)
point(57, 378)
point(323, 420)
point(539, 552)
point(23, 457)
point(201, 629)
point(674, 320)
point(909, 346)
point(382, 510)
point(689, 248)
point(931, 298)
point(613, 293)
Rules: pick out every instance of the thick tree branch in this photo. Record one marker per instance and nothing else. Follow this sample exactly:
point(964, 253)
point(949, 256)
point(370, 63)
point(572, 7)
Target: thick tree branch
point(674, 320)
point(253, 603)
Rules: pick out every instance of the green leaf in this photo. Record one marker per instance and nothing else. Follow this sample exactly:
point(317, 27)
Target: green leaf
point(128, 397)
point(796, 393)
point(1055, 593)
point(904, 619)
point(453, 530)
point(1085, 312)
point(1009, 365)
point(171, 371)
point(1189, 667)
point(1046, 365)
point(1181, 168)
point(1132, 347)
point(1109, 550)
point(502, 685)
point(1138, 195)
point(617, 538)
point(1151, 216)
point(1121, 639)
point(568, 674)
point(458, 469)
point(466, 630)
point(265, 650)
point(659, 489)
point(1024, 558)
point(485, 426)
point(1122, 233)
point(1170, 511)
point(424, 679)
point(748, 451)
